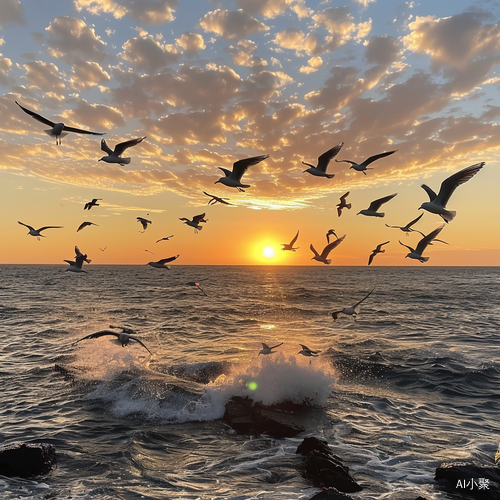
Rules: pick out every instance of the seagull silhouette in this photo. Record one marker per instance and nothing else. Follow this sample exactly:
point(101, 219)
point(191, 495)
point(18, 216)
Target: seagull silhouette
point(161, 264)
point(124, 337)
point(195, 222)
point(324, 254)
point(165, 239)
point(144, 222)
point(362, 167)
point(289, 246)
point(57, 130)
point(92, 203)
point(371, 211)
point(330, 232)
point(85, 224)
point(376, 251)
point(408, 228)
point(416, 253)
point(320, 169)
point(268, 350)
point(343, 204)
point(36, 232)
point(216, 199)
point(114, 156)
point(351, 311)
point(307, 352)
point(233, 178)
point(197, 285)
point(76, 265)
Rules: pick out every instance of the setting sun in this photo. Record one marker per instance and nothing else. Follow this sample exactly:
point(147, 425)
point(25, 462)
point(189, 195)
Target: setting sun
point(268, 252)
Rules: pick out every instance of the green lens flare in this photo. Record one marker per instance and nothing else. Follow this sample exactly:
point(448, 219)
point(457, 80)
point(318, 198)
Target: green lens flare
point(252, 386)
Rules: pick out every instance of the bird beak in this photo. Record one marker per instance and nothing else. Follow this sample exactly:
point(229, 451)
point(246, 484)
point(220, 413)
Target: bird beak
point(216, 182)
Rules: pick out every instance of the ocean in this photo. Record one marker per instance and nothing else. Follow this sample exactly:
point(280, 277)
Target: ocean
point(412, 382)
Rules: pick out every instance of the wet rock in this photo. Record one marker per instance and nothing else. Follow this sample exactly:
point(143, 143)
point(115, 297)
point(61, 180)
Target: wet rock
point(324, 468)
point(471, 479)
point(331, 494)
point(27, 460)
point(247, 417)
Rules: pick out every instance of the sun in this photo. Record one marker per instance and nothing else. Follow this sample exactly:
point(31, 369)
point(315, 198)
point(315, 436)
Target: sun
point(268, 252)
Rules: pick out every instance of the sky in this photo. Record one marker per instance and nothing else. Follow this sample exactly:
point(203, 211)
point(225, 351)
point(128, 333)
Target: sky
point(211, 82)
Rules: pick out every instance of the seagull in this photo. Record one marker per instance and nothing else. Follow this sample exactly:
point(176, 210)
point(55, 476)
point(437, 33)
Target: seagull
point(57, 128)
point(323, 161)
point(330, 231)
point(268, 350)
point(437, 203)
point(161, 263)
point(114, 156)
point(195, 222)
point(233, 178)
point(343, 204)
point(124, 337)
point(361, 167)
point(216, 199)
point(376, 251)
point(146, 250)
point(371, 211)
point(351, 311)
point(76, 265)
point(422, 245)
point(92, 203)
point(85, 224)
point(407, 229)
point(289, 246)
point(197, 285)
point(307, 352)
point(36, 232)
point(102, 249)
point(165, 239)
point(326, 251)
point(144, 222)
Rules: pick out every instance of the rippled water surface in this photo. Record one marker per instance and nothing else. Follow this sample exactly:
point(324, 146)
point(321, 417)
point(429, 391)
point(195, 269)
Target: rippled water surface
point(413, 382)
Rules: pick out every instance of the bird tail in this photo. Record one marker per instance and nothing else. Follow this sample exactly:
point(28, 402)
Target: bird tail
point(199, 228)
point(348, 206)
point(328, 261)
point(329, 176)
point(449, 215)
point(380, 214)
point(124, 161)
point(49, 132)
point(424, 259)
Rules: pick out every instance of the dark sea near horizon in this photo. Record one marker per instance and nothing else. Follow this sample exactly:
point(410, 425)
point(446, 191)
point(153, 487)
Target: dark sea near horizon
point(413, 382)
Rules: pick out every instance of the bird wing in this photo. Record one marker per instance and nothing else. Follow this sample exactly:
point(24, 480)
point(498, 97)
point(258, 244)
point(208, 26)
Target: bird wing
point(370, 259)
point(84, 224)
point(198, 218)
point(26, 225)
point(277, 345)
point(343, 197)
point(294, 239)
point(265, 346)
point(140, 342)
point(101, 333)
point(325, 158)
point(49, 227)
point(304, 347)
point(382, 244)
point(227, 172)
point(449, 185)
point(313, 250)
point(169, 259)
point(70, 262)
point(375, 205)
point(364, 298)
point(105, 147)
point(429, 191)
point(376, 157)
point(240, 166)
point(36, 116)
point(422, 244)
point(409, 248)
point(414, 221)
point(395, 227)
point(122, 146)
point(331, 246)
point(77, 252)
point(80, 131)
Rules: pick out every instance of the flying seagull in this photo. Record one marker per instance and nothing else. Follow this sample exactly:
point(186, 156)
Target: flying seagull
point(197, 285)
point(407, 229)
point(376, 251)
point(351, 311)
point(76, 265)
point(268, 350)
point(233, 178)
point(371, 211)
point(92, 203)
point(85, 224)
point(216, 199)
point(124, 338)
point(165, 239)
point(323, 161)
point(36, 232)
point(161, 264)
point(343, 204)
point(330, 232)
point(422, 245)
point(289, 246)
point(102, 249)
point(146, 250)
point(307, 352)
point(195, 222)
point(115, 156)
point(362, 167)
point(437, 203)
point(326, 251)
point(58, 130)
point(144, 222)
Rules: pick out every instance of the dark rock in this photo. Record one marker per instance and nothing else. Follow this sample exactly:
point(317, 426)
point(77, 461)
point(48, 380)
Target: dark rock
point(331, 494)
point(247, 417)
point(468, 478)
point(324, 468)
point(27, 460)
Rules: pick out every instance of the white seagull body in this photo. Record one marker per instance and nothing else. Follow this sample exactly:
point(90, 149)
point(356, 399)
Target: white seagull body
point(343, 204)
point(437, 203)
point(376, 251)
point(161, 264)
point(114, 156)
point(77, 264)
point(85, 224)
point(324, 254)
point(195, 222)
point(307, 352)
point(289, 246)
point(57, 130)
point(362, 167)
point(320, 169)
point(36, 232)
point(416, 253)
point(233, 178)
point(123, 337)
point(351, 311)
point(371, 211)
point(268, 350)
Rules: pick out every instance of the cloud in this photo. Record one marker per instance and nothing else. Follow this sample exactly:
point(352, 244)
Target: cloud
point(231, 24)
point(273, 8)
point(96, 117)
point(87, 74)
point(383, 50)
point(242, 54)
point(152, 12)
point(312, 65)
point(11, 11)
point(44, 76)
point(295, 39)
point(5, 65)
point(73, 41)
point(191, 43)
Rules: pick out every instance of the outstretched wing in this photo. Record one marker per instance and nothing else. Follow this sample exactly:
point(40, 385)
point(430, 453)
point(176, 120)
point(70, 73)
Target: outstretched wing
point(370, 259)
point(105, 147)
point(26, 225)
point(376, 157)
point(449, 185)
point(414, 221)
point(343, 197)
point(422, 244)
point(316, 254)
point(49, 227)
point(80, 131)
point(240, 167)
point(98, 334)
point(381, 245)
point(429, 191)
point(325, 158)
point(36, 116)
point(364, 298)
point(331, 246)
point(198, 218)
point(140, 342)
point(375, 205)
point(122, 146)
point(277, 345)
point(169, 259)
point(265, 346)
point(294, 239)
point(409, 248)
